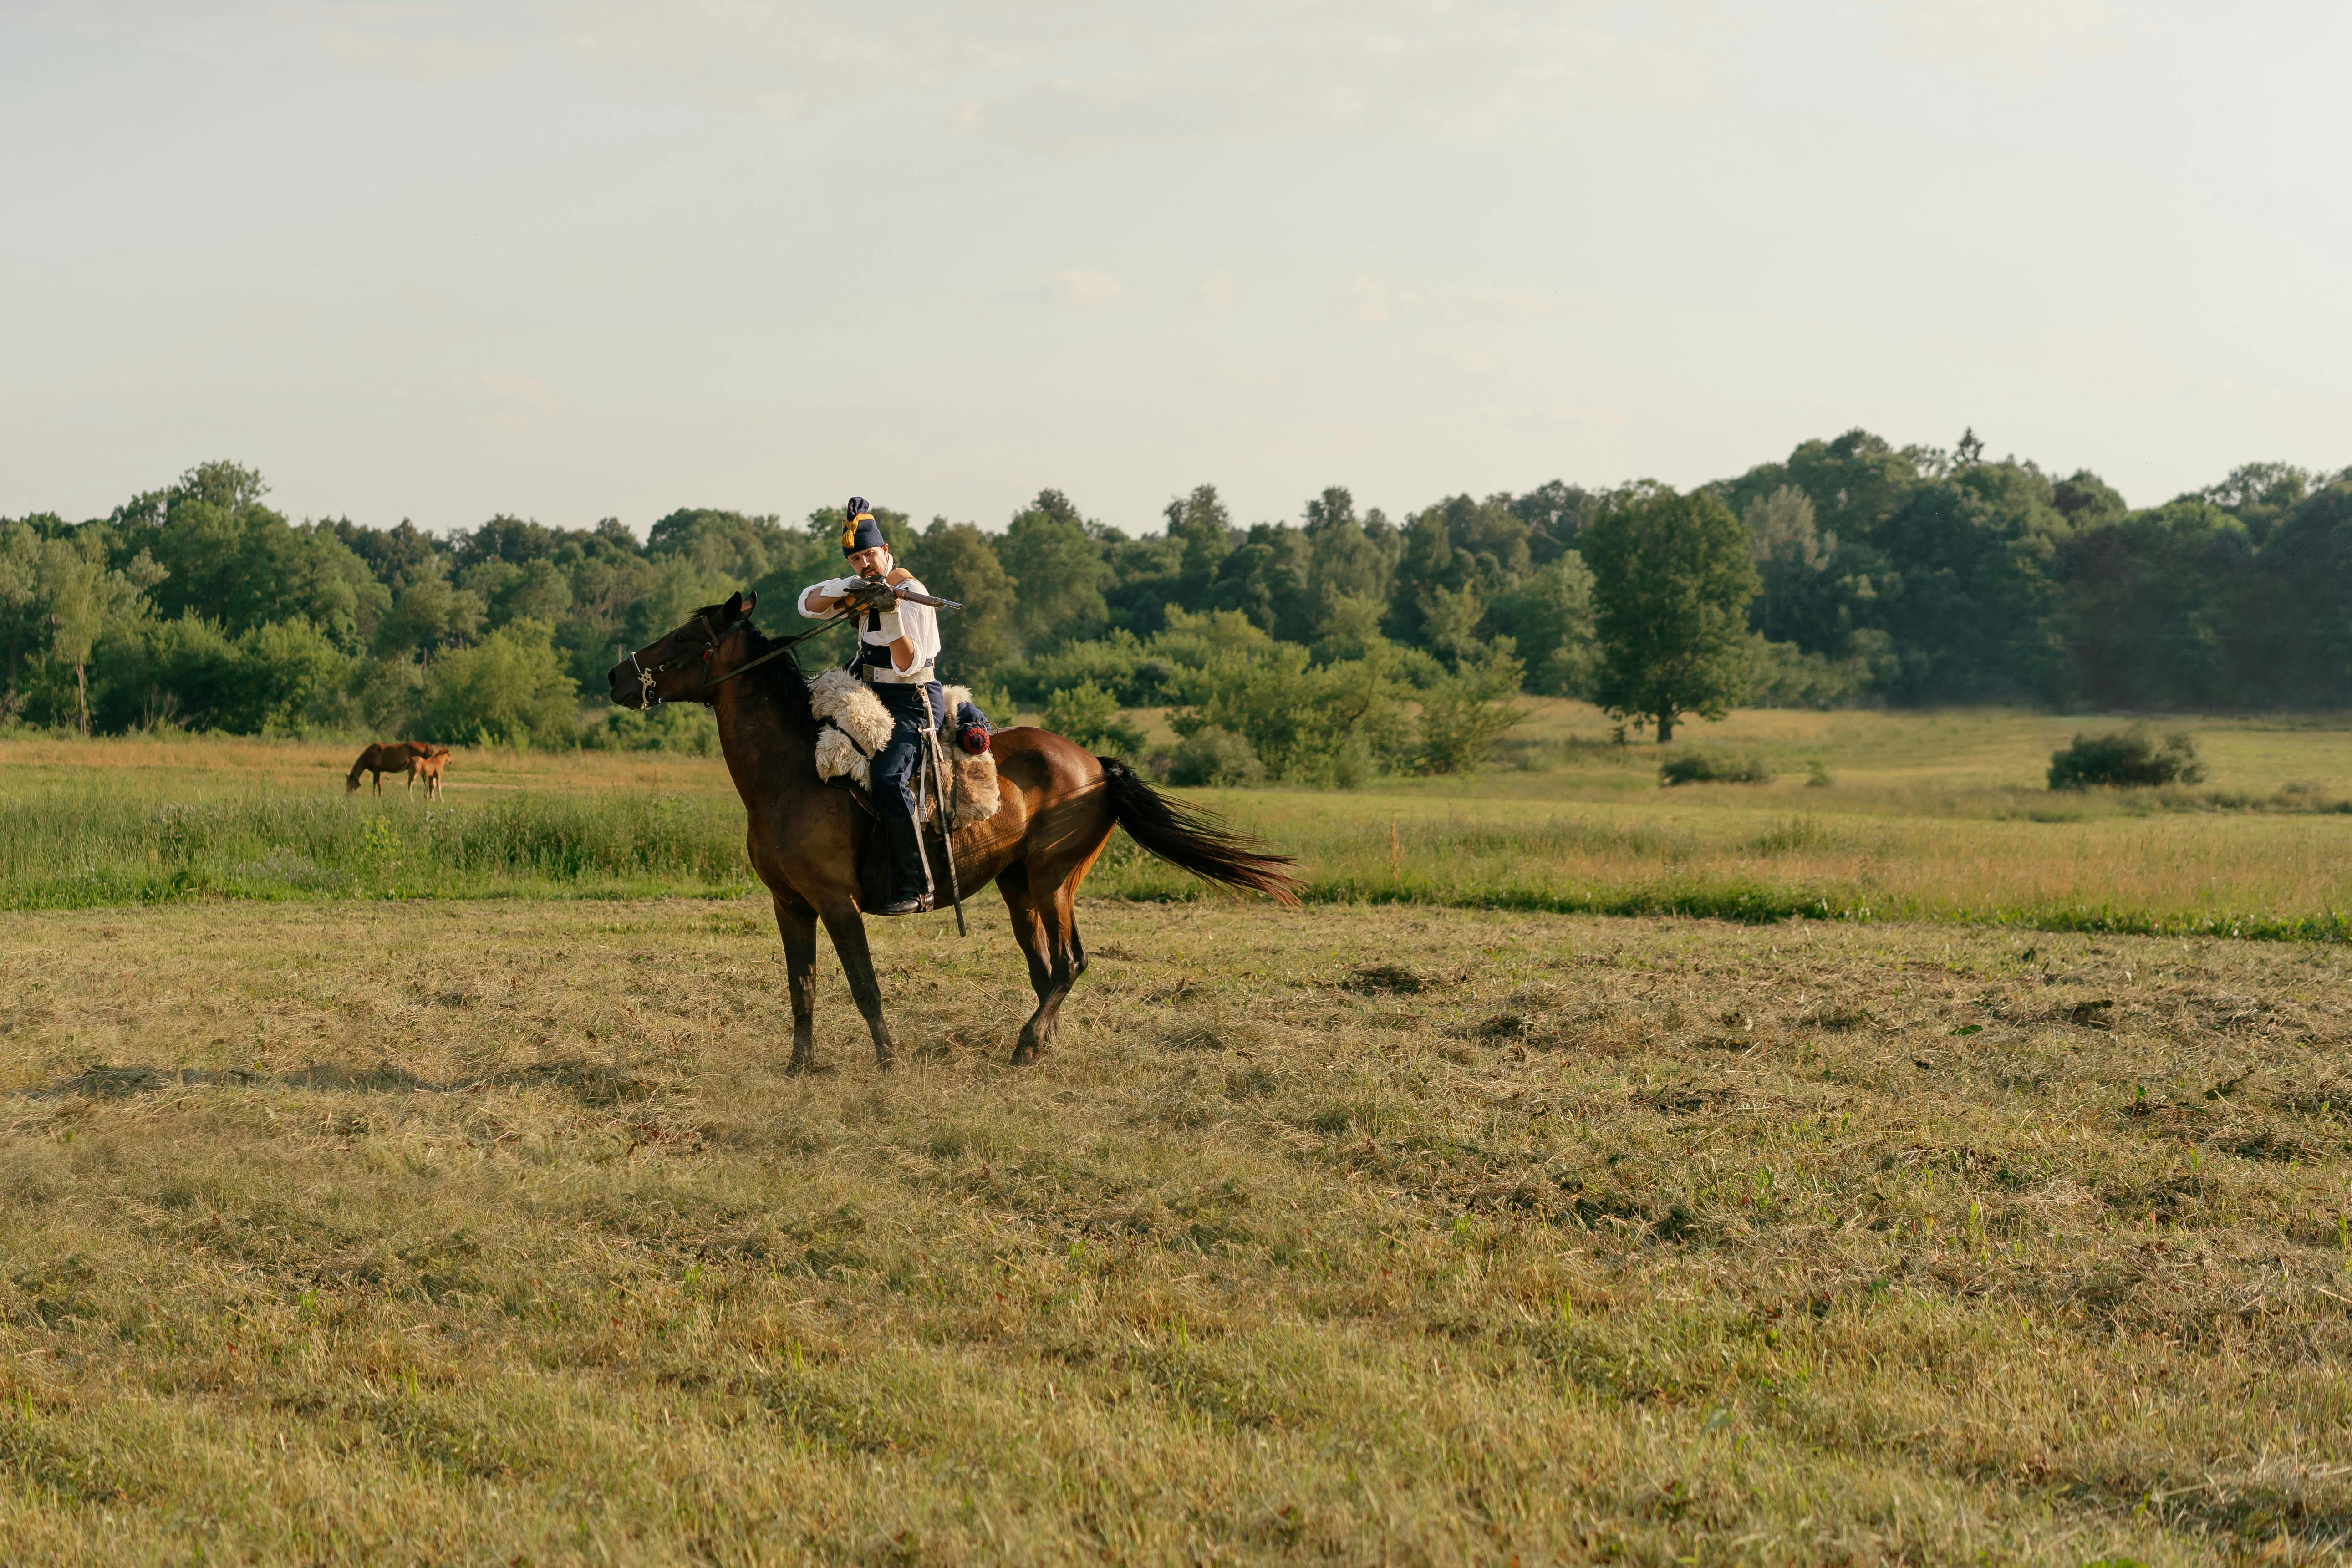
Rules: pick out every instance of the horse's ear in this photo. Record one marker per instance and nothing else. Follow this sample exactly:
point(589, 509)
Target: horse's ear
point(750, 601)
point(733, 606)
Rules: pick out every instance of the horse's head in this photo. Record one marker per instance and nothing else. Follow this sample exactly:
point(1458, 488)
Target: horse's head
point(677, 668)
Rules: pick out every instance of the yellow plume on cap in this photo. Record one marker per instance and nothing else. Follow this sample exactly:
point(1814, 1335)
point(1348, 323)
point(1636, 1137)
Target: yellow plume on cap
point(849, 531)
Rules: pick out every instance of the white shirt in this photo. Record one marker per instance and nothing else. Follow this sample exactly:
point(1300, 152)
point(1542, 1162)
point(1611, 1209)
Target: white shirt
point(919, 623)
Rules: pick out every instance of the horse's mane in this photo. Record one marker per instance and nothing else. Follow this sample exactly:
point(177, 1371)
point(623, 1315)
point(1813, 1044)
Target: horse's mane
point(779, 679)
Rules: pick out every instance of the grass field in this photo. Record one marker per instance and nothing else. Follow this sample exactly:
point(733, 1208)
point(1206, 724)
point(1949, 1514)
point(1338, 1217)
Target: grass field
point(394, 1181)
point(493, 1232)
point(1925, 816)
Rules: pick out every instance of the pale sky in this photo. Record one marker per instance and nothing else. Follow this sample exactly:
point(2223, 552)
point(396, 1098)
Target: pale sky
point(568, 261)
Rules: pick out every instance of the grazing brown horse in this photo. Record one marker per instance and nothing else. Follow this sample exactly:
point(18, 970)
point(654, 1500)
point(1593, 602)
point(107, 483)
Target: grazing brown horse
point(428, 768)
point(804, 835)
point(389, 757)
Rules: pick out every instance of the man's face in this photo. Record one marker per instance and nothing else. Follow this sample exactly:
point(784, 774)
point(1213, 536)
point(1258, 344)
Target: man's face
point(872, 562)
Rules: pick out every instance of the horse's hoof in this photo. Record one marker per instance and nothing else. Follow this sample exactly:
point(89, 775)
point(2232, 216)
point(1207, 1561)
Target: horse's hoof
point(1026, 1055)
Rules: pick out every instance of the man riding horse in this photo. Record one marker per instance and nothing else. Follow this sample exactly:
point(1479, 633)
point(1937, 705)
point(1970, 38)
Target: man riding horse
point(898, 644)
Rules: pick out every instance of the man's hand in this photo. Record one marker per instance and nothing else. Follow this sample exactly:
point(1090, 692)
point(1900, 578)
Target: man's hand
point(869, 594)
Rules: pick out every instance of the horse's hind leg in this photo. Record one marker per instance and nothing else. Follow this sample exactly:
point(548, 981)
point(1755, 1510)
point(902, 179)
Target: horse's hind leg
point(797, 924)
point(1050, 971)
point(847, 929)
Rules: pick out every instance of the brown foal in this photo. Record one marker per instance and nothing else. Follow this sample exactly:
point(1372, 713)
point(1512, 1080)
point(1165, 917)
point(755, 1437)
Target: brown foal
point(1059, 806)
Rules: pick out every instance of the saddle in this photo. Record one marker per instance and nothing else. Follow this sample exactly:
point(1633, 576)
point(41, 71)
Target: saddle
point(851, 725)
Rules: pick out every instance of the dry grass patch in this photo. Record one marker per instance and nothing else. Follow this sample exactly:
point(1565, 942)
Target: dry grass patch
point(495, 1232)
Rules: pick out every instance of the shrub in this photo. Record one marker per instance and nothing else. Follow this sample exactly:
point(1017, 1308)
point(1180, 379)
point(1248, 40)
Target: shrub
point(1308, 724)
point(1462, 715)
point(278, 678)
point(288, 674)
point(1114, 664)
point(1693, 764)
point(1089, 715)
point(2125, 758)
point(686, 729)
point(510, 689)
point(1782, 674)
point(1214, 754)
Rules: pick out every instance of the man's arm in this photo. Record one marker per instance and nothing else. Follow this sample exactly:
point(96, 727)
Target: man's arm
point(819, 600)
point(919, 627)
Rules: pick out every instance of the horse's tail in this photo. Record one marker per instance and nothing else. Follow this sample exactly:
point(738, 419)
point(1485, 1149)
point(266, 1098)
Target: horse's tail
point(1195, 841)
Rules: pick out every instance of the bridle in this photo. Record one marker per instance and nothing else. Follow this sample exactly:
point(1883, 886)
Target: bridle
point(648, 699)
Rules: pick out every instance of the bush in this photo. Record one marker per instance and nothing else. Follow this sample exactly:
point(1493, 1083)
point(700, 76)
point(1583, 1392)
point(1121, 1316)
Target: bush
point(1462, 715)
point(1782, 674)
point(1693, 764)
point(289, 675)
point(1214, 754)
point(1090, 716)
point(1114, 664)
point(278, 678)
point(508, 689)
point(685, 729)
point(2124, 758)
point(1308, 724)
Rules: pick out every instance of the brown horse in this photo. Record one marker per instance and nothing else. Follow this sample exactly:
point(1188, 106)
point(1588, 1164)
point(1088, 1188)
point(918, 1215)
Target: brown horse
point(389, 757)
point(429, 769)
point(1059, 805)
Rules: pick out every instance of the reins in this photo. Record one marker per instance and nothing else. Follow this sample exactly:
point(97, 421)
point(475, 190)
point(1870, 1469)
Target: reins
point(646, 698)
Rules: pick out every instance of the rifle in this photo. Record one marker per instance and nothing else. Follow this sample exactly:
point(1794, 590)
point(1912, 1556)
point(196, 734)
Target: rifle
point(914, 598)
point(909, 594)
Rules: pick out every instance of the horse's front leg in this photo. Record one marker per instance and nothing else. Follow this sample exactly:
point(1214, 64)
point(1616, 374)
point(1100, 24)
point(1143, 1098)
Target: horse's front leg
point(847, 929)
point(797, 923)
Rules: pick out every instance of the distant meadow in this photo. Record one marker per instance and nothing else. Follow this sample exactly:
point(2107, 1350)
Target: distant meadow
point(1864, 816)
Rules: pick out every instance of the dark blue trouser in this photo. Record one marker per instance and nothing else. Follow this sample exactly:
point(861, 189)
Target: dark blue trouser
point(913, 709)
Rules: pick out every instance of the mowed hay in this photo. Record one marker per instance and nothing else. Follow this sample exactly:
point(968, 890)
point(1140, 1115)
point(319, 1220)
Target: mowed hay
point(469, 1233)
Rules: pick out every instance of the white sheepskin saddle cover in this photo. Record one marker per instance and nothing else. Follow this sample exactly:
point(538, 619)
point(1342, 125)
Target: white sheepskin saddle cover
point(851, 725)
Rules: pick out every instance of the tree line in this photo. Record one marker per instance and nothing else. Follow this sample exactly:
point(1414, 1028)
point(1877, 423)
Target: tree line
point(1343, 643)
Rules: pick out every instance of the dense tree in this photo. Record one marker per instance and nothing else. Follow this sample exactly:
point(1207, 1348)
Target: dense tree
point(1916, 575)
point(2155, 596)
point(1554, 512)
point(228, 557)
point(2261, 495)
point(957, 562)
point(1671, 582)
point(1973, 586)
point(510, 689)
point(1549, 618)
point(1351, 562)
point(1057, 571)
point(1792, 560)
point(2300, 616)
point(1201, 531)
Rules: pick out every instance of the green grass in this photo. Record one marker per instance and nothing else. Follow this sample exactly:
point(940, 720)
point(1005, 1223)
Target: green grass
point(78, 845)
point(1928, 817)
